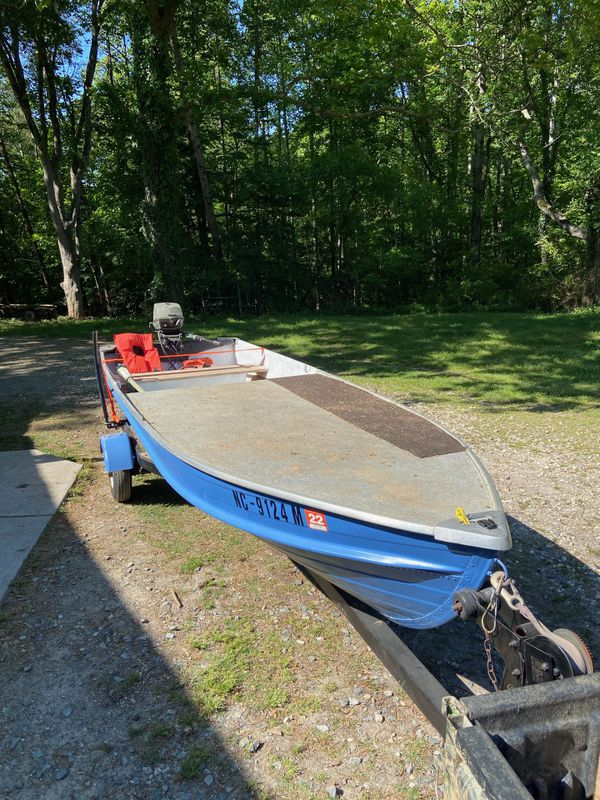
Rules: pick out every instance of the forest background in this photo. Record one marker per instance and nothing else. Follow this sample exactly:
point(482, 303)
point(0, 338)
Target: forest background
point(265, 156)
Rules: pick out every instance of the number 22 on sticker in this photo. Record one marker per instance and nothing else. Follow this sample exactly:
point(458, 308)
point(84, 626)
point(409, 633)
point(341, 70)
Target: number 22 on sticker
point(315, 520)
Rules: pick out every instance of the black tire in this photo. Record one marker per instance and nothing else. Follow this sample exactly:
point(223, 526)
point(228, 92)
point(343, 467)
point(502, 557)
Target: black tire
point(120, 485)
point(29, 315)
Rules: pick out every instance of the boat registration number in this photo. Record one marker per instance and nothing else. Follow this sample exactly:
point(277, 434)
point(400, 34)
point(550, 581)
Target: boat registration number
point(288, 513)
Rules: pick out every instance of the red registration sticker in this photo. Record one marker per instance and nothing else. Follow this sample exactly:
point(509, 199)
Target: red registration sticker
point(315, 520)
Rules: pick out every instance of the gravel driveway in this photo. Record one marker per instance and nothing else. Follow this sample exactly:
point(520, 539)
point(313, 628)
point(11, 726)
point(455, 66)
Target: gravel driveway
point(104, 631)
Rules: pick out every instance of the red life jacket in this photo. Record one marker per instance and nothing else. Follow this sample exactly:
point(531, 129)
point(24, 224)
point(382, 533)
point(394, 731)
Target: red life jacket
point(197, 362)
point(138, 352)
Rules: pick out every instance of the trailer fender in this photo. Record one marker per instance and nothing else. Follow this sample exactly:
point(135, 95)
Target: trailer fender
point(117, 449)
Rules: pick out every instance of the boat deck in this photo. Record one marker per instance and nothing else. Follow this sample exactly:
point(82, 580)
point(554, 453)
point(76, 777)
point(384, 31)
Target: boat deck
point(322, 439)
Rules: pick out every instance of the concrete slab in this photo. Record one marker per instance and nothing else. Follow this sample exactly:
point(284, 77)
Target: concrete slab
point(32, 486)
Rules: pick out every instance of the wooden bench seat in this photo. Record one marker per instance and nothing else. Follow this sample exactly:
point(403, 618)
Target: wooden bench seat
point(198, 372)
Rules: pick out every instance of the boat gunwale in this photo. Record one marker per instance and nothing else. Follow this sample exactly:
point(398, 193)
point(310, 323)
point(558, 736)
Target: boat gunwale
point(442, 532)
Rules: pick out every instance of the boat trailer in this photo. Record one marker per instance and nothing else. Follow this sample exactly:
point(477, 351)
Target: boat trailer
point(537, 737)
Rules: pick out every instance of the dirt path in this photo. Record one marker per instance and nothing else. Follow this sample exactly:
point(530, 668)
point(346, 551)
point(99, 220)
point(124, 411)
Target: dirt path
point(149, 651)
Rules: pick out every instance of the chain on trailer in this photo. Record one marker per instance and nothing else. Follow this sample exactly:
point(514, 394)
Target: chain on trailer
point(531, 652)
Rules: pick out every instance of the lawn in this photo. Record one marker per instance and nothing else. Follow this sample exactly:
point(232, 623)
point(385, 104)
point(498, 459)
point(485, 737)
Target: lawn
point(511, 360)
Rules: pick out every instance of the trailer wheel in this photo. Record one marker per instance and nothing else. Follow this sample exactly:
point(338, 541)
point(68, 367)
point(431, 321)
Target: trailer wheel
point(120, 485)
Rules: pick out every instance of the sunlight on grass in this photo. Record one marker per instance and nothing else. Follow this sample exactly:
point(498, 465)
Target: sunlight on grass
point(192, 564)
point(278, 697)
point(232, 652)
point(508, 359)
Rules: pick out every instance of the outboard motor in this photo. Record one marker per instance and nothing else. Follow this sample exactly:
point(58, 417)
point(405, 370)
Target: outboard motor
point(167, 321)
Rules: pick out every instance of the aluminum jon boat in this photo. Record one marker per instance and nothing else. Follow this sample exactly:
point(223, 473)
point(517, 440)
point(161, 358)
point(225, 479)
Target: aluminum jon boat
point(360, 490)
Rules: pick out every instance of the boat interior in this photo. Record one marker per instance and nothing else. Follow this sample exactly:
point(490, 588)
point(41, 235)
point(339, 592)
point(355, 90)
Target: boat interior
point(284, 425)
point(204, 363)
point(140, 364)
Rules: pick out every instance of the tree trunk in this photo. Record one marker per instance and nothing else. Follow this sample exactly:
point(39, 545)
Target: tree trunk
point(257, 142)
point(100, 283)
point(313, 220)
point(67, 249)
point(151, 28)
point(542, 201)
point(71, 282)
point(45, 127)
point(477, 194)
point(227, 192)
point(209, 210)
point(477, 175)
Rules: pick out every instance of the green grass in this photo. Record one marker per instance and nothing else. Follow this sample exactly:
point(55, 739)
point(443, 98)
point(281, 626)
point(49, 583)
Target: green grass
point(226, 672)
point(131, 680)
point(277, 697)
point(506, 359)
point(408, 792)
point(232, 652)
point(182, 533)
point(198, 756)
point(160, 730)
point(192, 564)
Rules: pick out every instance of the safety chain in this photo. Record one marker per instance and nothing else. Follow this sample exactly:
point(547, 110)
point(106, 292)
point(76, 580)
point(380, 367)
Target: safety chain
point(487, 647)
point(492, 609)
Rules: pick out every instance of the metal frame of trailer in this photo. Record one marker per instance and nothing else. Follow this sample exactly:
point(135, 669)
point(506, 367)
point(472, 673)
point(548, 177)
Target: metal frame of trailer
point(540, 741)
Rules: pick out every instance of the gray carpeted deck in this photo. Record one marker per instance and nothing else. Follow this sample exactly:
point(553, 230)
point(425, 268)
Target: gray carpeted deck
point(264, 434)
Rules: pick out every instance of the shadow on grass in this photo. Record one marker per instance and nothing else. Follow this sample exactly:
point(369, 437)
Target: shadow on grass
point(538, 362)
point(155, 491)
point(506, 360)
point(90, 707)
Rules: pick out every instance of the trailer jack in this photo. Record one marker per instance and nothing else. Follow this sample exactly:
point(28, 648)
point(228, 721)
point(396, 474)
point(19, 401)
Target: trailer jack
point(531, 652)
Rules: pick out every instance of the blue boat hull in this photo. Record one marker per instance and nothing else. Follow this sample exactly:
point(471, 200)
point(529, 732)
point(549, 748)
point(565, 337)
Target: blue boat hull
point(409, 578)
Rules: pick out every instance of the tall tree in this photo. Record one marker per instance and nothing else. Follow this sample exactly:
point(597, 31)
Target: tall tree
point(151, 26)
point(39, 46)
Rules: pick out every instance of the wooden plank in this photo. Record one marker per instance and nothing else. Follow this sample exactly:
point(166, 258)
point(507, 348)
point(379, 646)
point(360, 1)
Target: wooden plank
point(197, 372)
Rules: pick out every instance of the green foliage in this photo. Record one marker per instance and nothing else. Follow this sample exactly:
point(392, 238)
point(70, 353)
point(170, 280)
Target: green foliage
point(342, 146)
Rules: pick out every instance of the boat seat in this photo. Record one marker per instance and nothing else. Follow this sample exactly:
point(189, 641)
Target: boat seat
point(257, 373)
point(138, 352)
